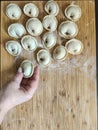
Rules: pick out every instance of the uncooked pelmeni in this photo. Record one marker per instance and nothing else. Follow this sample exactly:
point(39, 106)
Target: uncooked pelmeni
point(31, 10)
point(13, 47)
point(73, 12)
point(29, 43)
point(28, 68)
point(13, 11)
point(74, 46)
point(52, 8)
point(49, 40)
point(68, 29)
point(50, 23)
point(43, 57)
point(16, 30)
point(34, 26)
point(60, 53)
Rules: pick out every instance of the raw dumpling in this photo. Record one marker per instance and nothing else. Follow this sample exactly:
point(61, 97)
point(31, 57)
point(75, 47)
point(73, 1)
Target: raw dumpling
point(68, 29)
point(50, 23)
point(13, 11)
point(29, 43)
point(16, 30)
point(73, 12)
point(43, 57)
point(13, 47)
point(34, 26)
point(74, 46)
point(52, 8)
point(49, 40)
point(28, 68)
point(60, 53)
point(31, 10)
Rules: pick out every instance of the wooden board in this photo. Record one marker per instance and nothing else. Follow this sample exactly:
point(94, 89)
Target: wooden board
point(66, 97)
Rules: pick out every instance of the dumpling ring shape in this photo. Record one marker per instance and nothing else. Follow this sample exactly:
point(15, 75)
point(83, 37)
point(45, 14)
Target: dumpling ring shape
point(28, 68)
point(16, 30)
point(34, 26)
point(73, 12)
point(13, 47)
point(31, 10)
point(74, 46)
point(43, 57)
point(13, 11)
point(29, 43)
point(49, 40)
point(60, 53)
point(68, 29)
point(50, 23)
point(52, 8)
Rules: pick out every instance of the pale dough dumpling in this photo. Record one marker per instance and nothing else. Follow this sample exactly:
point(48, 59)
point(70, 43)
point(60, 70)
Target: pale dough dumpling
point(28, 68)
point(13, 47)
point(49, 40)
point(50, 23)
point(68, 29)
point(73, 12)
point(52, 8)
point(13, 11)
point(60, 53)
point(31, 10)
point(16, 30)
point(74, 46)
point(29, 43)
point(34, 26)
point(43, 57)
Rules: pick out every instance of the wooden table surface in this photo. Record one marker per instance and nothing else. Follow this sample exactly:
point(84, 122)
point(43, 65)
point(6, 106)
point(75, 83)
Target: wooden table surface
point(66, 97)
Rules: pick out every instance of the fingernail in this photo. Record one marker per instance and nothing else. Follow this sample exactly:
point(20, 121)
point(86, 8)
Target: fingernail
point(20, 70)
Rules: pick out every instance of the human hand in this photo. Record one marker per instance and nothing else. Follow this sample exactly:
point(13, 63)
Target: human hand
point(19, 90)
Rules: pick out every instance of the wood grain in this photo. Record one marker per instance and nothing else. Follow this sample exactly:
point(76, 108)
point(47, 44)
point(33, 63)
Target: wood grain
point(66, 97)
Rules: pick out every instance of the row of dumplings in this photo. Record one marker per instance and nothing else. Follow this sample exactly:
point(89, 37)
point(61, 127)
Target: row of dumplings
point(72, 12)
point(34, 26)
point(67, 29)
point(44, 57)
point(30, 43)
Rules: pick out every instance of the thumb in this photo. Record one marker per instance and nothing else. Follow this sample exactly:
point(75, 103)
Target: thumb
point(19, 75)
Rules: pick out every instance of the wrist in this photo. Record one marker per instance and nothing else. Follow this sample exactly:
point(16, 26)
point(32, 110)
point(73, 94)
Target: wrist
point(3, 111)
point(4, 108)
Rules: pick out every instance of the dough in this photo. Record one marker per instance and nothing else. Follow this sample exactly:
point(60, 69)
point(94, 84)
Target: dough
point(49, 40)
point(68, 29)
point(16, 30)
point(74, 46)
point(73, 12)
point(60, 53)
point(28, 68)
point(29, 43)
point(34, 26)
point(43, 57)
point(13, 47)
point(31, 10)
point(52, 8)
point(50, 23)
point(13, 11)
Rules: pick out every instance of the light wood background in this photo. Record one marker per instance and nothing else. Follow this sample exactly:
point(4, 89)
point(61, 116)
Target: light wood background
point(66, 97)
